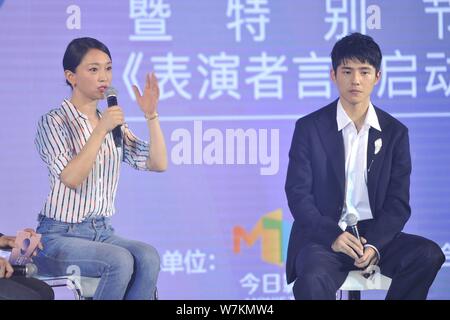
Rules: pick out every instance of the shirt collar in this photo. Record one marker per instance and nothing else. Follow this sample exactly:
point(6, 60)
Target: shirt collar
point(344, 120)
point(372, 118)
point(72, 112)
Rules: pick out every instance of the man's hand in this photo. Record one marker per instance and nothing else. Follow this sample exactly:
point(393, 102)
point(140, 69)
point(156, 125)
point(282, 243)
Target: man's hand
point(368, 258)
point(6, 269)
point(348, 244)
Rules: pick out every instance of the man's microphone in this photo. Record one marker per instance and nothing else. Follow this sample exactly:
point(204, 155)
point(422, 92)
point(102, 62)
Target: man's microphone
point(352, 224)
point(27, 270)
point(111, 97)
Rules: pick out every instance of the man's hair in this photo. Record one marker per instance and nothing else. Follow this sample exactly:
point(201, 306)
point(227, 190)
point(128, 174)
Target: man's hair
point(356, 46)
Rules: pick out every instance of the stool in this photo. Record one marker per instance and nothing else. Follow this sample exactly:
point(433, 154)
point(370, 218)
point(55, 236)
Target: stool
point(83, 288)
point(356, 282)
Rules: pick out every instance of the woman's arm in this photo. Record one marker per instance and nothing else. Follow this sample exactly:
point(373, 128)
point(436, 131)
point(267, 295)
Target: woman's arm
point(148, 102)
point(81, 165)
point(157, 158)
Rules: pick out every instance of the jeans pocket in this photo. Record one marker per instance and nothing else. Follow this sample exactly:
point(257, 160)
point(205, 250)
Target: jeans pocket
point(53, 227)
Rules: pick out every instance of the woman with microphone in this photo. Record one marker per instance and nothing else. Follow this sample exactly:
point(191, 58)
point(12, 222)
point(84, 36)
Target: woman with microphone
point(76, 143)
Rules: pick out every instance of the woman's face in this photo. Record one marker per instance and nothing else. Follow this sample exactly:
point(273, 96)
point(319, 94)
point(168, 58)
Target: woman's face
point(93, 75)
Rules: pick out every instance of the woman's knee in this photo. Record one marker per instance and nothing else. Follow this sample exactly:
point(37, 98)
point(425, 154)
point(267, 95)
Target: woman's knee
point(149, 258)
point(120, 260)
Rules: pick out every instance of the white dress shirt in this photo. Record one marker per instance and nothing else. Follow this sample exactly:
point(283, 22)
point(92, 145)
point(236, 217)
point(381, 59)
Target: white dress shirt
point(355, 145)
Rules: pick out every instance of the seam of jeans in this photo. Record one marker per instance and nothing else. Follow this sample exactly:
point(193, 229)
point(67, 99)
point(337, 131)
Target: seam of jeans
point(99, 291)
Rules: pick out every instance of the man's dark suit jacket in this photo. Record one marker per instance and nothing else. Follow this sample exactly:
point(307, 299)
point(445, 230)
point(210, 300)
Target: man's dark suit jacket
point(315, 182)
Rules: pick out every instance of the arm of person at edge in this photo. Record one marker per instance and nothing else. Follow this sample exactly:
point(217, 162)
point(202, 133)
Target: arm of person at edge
point(8, 242)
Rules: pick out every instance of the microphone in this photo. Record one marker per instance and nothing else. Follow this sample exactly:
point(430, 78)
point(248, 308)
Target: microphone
point(111, 97)
point(352, 223)
point(27, 270)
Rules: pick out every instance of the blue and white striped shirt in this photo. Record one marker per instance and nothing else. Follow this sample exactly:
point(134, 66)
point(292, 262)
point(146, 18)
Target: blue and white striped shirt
point(61, 134)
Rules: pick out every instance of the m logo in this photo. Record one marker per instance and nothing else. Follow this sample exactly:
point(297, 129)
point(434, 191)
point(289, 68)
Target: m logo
point(274, 234)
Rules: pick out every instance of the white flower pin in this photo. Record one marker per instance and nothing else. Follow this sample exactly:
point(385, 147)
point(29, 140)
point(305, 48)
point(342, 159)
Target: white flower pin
point(378, 144)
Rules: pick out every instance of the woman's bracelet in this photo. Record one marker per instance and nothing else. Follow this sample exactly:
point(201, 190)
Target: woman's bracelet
point(152, 116)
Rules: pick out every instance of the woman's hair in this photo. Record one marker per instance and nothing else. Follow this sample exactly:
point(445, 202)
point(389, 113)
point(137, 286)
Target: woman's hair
point(77, 49)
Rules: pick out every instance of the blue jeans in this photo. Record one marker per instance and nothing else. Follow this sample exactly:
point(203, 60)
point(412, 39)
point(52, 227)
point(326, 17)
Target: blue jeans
point(128, 269)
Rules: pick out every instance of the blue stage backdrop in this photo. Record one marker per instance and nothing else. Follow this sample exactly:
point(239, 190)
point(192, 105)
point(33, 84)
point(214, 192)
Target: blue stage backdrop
point(234, 76)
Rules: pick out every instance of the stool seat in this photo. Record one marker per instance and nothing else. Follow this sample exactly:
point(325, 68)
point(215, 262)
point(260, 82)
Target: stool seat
point(82, 287)
point(355, 281)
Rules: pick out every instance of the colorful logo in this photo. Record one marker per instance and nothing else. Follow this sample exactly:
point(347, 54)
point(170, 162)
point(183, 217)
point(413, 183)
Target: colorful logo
point(274, 235)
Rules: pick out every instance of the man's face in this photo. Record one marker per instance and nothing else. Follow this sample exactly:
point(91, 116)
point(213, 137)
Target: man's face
point(355, 81)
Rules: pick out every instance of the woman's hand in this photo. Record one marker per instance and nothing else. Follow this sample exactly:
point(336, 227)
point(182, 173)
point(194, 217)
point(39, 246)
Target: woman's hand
point(148, 101)
point(111, 118)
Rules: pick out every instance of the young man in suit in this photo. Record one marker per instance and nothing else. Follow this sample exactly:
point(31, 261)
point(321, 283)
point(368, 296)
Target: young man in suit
point(352, 158)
